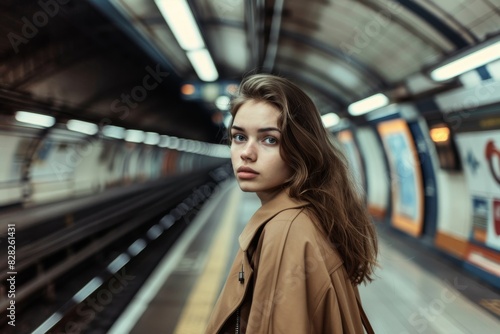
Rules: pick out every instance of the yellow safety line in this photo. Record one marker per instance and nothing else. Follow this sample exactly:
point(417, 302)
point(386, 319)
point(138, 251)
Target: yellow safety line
point(202, 298)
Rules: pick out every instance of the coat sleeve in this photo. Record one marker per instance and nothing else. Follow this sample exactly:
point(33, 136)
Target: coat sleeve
point(293, 292)
point(337, 311)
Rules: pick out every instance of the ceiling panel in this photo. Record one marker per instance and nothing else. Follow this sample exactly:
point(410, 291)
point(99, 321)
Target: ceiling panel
point(228, 46)
point(167, 43)
point(232, 10)
point(322, 85)
point(141, 8)
point(400, 16)
point(145, 18)
point(352, 84)
point(339, 50)
point(375, 35)
point(473, 19)
point(484, 27)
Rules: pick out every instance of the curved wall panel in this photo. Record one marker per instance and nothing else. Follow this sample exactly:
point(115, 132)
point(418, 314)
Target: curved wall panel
point(376, 175)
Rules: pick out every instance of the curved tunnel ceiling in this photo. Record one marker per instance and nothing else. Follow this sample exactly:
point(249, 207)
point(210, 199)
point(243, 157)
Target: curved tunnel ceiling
point(90, 53)
point(67, 59)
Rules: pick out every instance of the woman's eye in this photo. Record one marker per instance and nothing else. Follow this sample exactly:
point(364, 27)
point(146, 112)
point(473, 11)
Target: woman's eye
point(238, 137)
point(270, 140)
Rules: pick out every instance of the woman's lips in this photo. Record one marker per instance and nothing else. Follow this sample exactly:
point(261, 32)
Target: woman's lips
point(246, 173)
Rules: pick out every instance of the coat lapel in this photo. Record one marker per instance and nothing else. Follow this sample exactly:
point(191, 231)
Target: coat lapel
point(232, 294)
point(234, 291)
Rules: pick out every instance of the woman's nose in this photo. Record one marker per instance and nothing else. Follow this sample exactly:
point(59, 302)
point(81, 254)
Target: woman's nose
point(249, 152)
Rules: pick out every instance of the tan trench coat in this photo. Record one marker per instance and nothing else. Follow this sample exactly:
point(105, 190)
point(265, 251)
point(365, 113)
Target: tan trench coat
point(286, 278)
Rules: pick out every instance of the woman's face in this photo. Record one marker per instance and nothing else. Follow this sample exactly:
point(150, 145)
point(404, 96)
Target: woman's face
point(255, 150)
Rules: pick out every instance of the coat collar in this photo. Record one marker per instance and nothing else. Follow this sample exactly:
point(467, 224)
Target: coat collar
point(282, 201)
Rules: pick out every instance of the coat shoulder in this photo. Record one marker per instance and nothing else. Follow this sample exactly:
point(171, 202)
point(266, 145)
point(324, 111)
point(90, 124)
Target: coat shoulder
point(304, 236)
point(296, 220)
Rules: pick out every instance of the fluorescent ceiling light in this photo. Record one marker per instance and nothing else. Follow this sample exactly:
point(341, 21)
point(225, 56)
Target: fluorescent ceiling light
point(134, 136)
point(366, 105)
point(173, 143)
point(467, 62)
point(189, 145)
point(330, 119)
point(152, 138)
point(113, 131)
point(182, 144)
point(35, 119)
point(193, 146)
point(203, 64)
point(164, 141)
point(197, 147)
point(82, 127)
point(204, 148)
point(182, 23)
point(222, 102)
point(179, 18)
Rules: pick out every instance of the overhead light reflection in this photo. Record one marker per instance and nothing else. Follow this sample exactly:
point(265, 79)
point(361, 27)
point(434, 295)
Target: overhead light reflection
point(203, 65)
point(330, 119)
point(82, 127)
point(113, 131)
point(368, 104)
point(182, 23)
point(180, 19)
point(134, 136)
point(35, 119)
point(223, 102)
point(152, 138)
point(467, 62)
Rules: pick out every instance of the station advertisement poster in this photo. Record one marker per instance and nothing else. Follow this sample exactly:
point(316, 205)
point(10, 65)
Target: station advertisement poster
point(406, 176)
point(480, 153)
point(352, 153)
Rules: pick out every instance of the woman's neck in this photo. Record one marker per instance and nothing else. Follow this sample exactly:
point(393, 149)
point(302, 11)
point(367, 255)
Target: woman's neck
point(267, 196)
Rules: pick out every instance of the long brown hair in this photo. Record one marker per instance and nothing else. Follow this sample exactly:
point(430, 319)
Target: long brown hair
point(320, 171)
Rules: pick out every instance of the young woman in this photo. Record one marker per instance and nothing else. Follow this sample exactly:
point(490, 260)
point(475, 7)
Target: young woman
point(309, 245)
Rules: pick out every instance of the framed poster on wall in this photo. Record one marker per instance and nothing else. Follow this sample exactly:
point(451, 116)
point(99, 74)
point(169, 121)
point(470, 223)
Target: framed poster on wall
point(480, 152)
point(406, 176)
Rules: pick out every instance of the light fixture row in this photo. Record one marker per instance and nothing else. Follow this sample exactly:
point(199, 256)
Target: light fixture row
point(180, 19)
point(129, 135)
point(470, 59)
point(467, 60)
